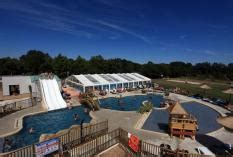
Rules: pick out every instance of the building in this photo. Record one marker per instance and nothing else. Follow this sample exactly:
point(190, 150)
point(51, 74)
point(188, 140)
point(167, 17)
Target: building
point(181, 123)
point(107, 82)
point(13, 87)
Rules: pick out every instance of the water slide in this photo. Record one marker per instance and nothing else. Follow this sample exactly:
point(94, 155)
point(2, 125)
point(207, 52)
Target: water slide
point(51, 95)
point(62, 103)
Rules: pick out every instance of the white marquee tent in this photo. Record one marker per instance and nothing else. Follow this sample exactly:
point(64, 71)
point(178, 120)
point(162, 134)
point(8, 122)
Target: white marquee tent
point(107, 81)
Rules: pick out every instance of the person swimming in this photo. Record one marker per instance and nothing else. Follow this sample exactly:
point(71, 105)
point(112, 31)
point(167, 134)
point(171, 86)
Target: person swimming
point(86, 110)
point(7, 144)
point(76, 116)
point(31, 130)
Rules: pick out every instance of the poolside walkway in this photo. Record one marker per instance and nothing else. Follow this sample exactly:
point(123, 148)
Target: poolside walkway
point(128, 120)
point(222, 134)
point(183, 98)
point(8, 123)
point(132, 121)
point(132, 93)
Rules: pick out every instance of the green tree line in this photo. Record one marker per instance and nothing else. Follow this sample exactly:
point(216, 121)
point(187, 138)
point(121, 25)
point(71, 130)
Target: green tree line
point(35, 62)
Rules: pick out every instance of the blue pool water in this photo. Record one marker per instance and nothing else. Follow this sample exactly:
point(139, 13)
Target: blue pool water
point(129, 103)
point(50, 122)
point(206, 117)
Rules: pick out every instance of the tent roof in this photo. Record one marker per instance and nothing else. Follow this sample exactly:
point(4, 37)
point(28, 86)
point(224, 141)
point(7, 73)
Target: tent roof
point(105, 79)
point(228, 91)
point(204, 86)
point(177, 109)
point(226, 122)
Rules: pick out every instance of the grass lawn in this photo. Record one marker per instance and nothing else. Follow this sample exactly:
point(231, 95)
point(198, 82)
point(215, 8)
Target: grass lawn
point(216, 87)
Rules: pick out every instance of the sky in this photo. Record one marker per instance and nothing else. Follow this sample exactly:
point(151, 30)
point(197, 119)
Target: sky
point(138, 30)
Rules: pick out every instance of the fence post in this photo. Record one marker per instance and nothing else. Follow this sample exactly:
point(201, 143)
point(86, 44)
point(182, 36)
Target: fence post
point(33, 150)
point(82, 130)
point(107, 125)
point(120, 134)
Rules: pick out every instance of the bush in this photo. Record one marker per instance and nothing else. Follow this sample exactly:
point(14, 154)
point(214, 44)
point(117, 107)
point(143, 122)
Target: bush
point(146, 107)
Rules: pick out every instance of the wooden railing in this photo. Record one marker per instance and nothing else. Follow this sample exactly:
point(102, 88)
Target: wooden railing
point(96, 145)
point(101, 143)
point(74, 137)
point(96, 141)
point(27, 151)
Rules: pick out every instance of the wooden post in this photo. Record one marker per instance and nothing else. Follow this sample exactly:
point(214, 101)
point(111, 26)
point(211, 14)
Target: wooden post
point(30, 90)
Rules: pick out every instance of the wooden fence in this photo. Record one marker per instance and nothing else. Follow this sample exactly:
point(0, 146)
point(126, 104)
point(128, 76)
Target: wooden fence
point(101, 143)
point(74, 137)
point(94, 139)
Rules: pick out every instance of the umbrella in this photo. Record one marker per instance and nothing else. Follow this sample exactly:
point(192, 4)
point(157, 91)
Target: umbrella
point(205, 87)
point(177, 109)
point(229, 91)
point(226, 122)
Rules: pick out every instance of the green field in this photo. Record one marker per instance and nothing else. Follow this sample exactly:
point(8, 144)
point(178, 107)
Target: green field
point(217, 87)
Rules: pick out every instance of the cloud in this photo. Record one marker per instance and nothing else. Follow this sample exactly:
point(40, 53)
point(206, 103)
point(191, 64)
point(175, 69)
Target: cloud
point(163, 48)
point(183, 36)
point(228, 54)
point(210, 53)
point(11, 5)
point(188, 49)
point(216, 26)
point(119, 4)
point(49, 16)
point(59, 18)
point(124, 30)
point(115, 37)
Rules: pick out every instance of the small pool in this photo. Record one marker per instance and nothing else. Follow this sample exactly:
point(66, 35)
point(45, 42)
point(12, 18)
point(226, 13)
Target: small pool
point(50, 122)
point(206, 117)
point(129, 103)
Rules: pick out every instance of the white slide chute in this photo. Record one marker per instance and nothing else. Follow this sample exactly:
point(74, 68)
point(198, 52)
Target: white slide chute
point(51, 94)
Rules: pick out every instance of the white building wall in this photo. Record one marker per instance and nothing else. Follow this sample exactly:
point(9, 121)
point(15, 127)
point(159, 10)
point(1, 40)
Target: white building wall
point(22, 81)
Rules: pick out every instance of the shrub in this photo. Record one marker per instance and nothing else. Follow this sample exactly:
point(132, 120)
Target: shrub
point(146, 107)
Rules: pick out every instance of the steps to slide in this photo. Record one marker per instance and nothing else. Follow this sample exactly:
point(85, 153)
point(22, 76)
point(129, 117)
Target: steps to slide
point(51, 95)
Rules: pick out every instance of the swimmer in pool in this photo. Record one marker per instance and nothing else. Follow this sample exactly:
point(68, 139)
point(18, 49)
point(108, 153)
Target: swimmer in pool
point(7, 145)
point(31, 130)
point(76, 116)
point(85, 110)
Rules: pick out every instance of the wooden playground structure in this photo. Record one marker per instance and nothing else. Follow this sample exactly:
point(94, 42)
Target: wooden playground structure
point(181, 123)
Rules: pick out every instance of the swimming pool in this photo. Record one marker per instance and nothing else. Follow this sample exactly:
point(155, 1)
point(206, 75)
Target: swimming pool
point(206, 117)
point(130, 103)
point(50, 122)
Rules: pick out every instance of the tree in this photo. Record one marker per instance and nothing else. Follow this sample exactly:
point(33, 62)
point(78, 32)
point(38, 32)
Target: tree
point(62, 65)
point(79, 66)
point(97, 64)
point(33, 60)
point(10, 66)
